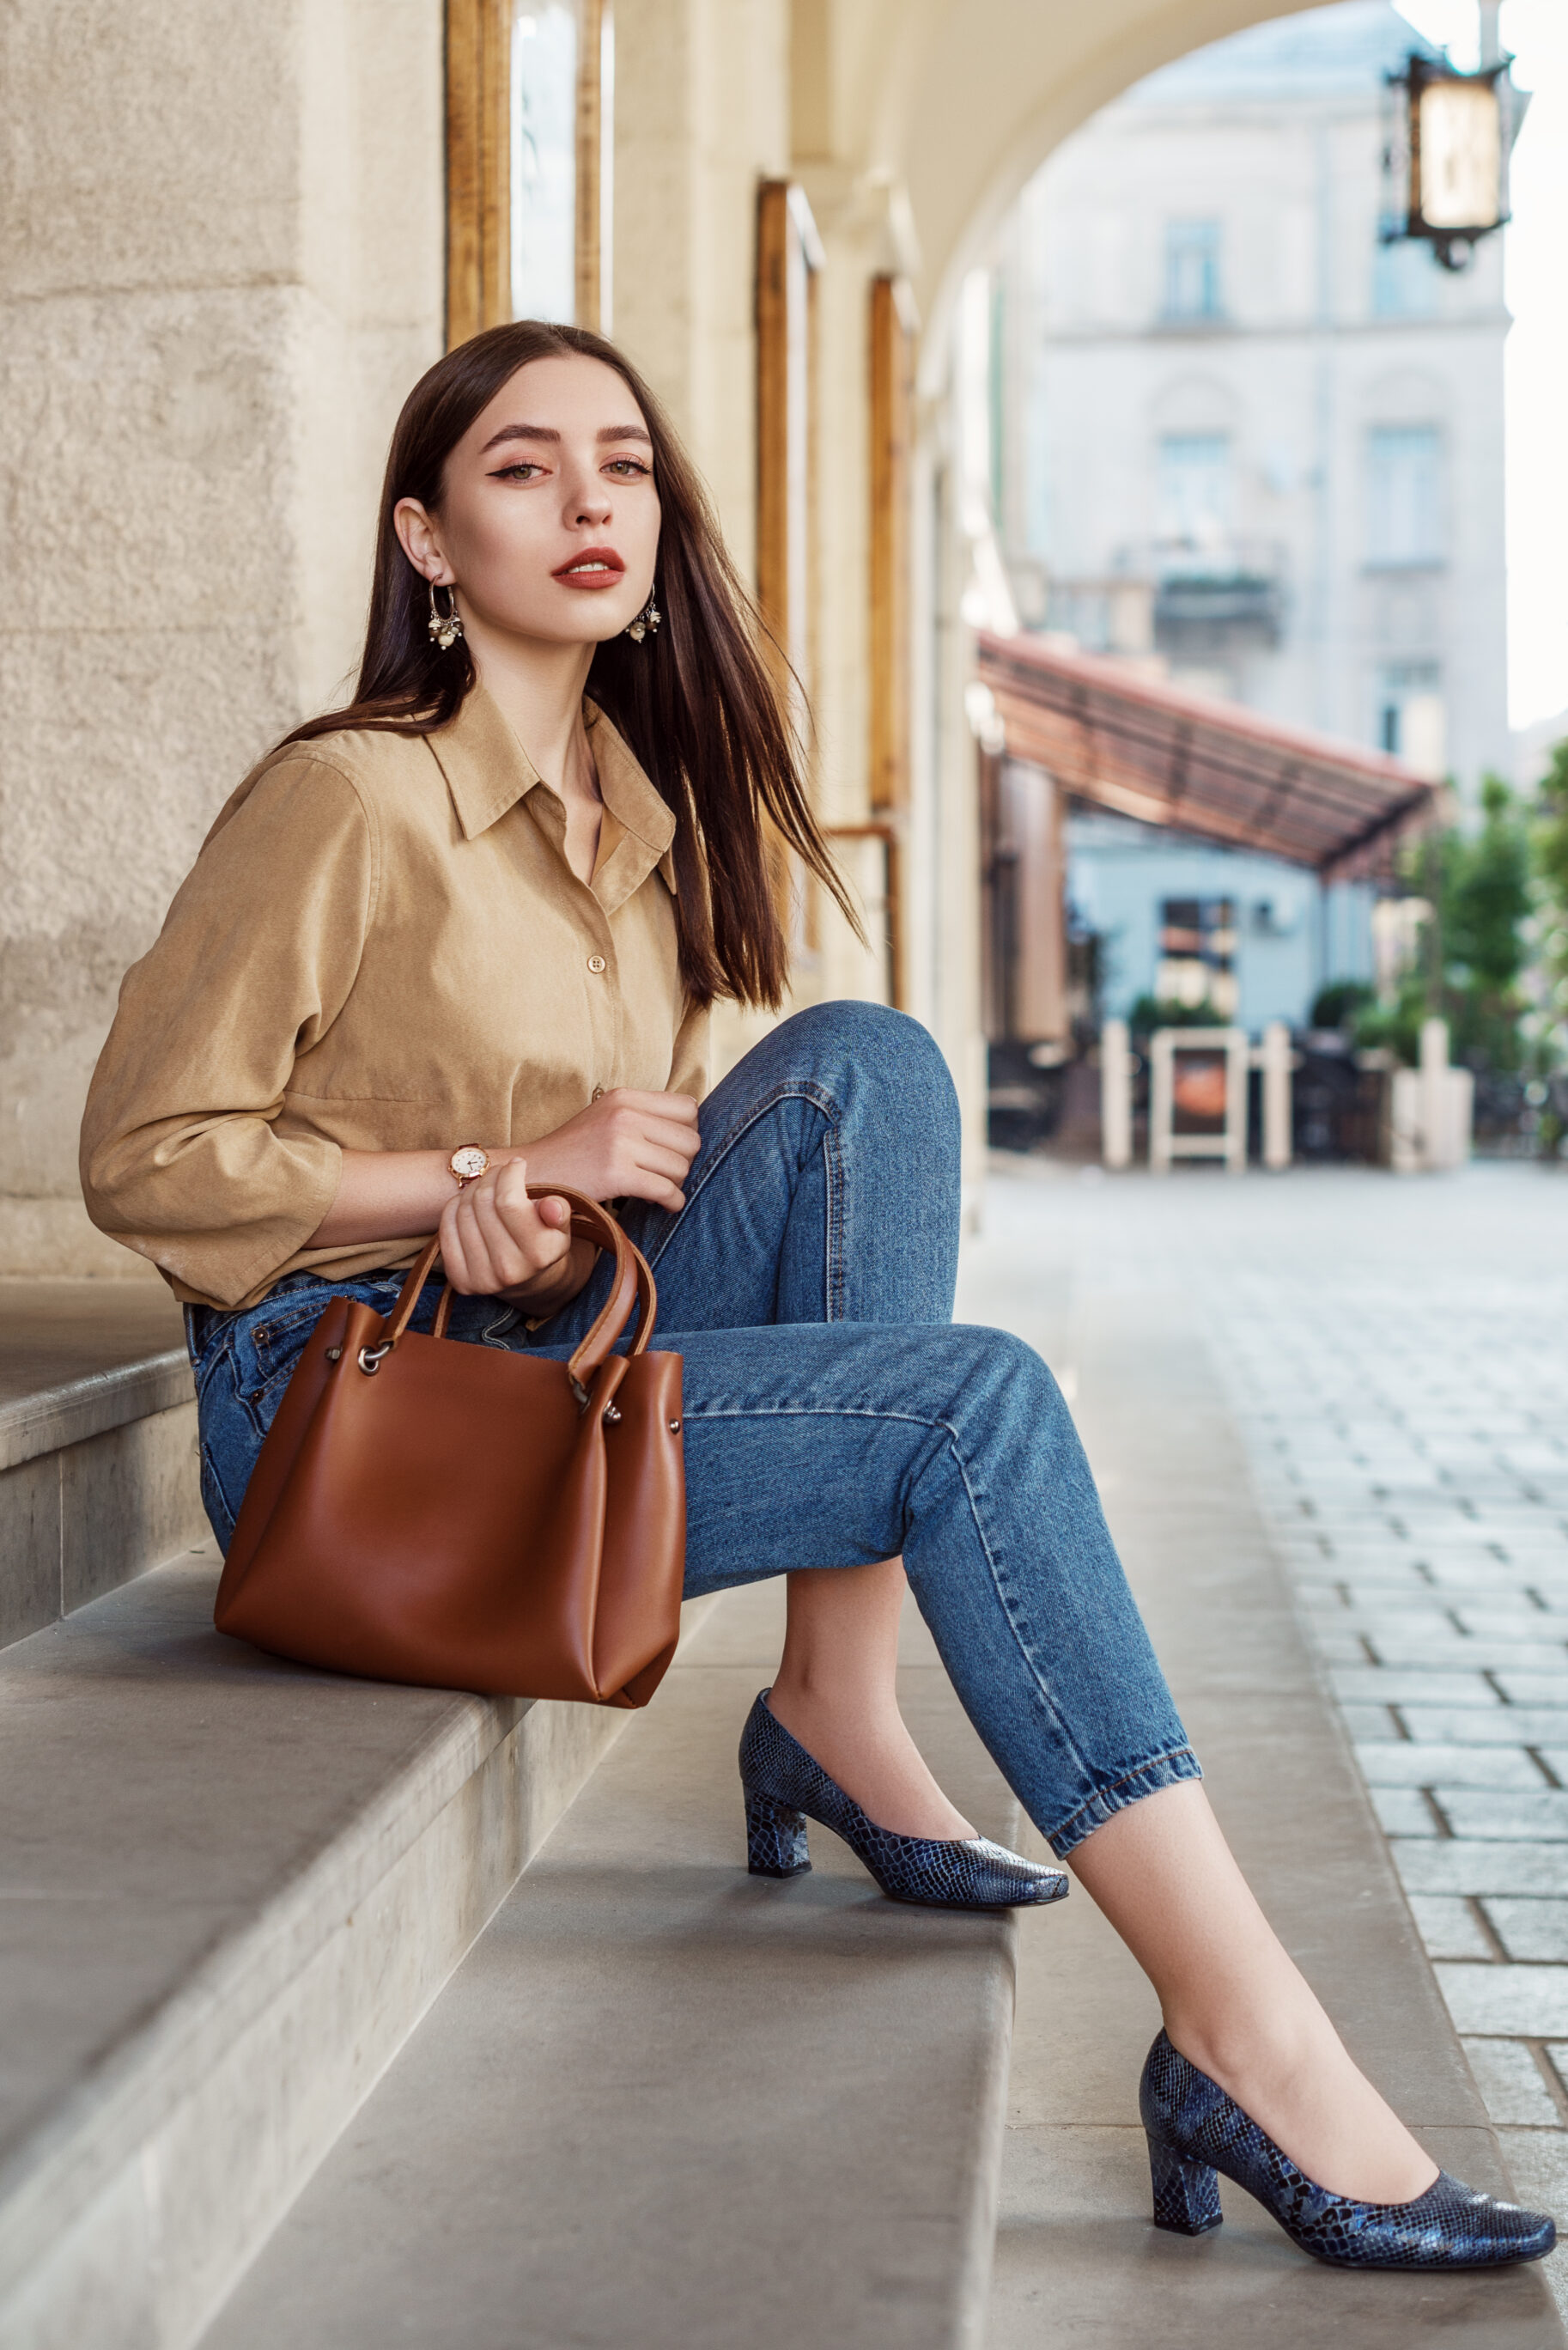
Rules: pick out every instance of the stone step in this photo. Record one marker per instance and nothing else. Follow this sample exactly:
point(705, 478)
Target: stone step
point(229, 1889)
point(666, 2103)
point(99, 1475)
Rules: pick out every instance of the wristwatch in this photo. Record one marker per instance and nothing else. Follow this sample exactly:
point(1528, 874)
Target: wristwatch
point(467, 1164)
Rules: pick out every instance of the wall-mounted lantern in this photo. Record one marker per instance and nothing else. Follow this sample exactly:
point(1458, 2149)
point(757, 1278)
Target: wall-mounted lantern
point(1448, 155)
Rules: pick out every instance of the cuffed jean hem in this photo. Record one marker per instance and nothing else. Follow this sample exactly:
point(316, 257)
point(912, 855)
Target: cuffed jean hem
point(1165, 1771)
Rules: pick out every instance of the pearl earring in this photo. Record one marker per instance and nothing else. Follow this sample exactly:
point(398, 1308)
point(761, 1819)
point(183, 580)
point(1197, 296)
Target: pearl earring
point(446, 627)
point(646, 621)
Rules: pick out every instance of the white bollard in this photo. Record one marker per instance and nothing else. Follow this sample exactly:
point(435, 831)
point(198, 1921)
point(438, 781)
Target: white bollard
point(1434, 1112)
point(1115, 1095)
point(1405, 1150)
point(1276, 1059)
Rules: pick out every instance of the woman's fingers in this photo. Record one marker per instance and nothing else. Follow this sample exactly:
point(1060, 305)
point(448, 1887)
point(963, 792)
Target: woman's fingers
point(521, 1239)
point(503, 1238)
point(654, 1159)
point(454, 1257)
point(667, 1120)
point(657, 1188)
point(683, 1140)
point(626, 1145)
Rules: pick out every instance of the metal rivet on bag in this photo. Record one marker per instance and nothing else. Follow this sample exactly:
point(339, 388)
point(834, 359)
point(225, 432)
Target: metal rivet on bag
point(675, 1428)
point(334, 1354)
point(611, 1415)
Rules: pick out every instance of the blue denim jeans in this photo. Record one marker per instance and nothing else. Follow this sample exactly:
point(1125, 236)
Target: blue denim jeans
point(834, 1413)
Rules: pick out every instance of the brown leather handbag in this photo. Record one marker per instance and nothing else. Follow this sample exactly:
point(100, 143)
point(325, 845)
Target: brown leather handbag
point(467, 1518)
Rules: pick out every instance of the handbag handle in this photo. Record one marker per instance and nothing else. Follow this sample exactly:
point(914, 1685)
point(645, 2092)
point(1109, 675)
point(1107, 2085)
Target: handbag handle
point(633, 1285)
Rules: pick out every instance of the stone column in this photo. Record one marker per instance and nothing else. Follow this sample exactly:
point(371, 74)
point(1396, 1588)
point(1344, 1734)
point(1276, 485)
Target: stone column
point(221, 269)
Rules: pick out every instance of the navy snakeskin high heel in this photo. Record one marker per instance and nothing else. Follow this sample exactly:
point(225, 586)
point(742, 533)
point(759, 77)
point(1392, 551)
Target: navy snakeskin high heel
point(784, 1787)
point(1194, 2130)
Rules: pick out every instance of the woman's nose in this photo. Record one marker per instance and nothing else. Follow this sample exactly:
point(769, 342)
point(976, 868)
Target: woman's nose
point(590, 504)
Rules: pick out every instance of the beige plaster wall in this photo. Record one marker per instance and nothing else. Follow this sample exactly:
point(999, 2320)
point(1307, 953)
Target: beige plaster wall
point(220, 269)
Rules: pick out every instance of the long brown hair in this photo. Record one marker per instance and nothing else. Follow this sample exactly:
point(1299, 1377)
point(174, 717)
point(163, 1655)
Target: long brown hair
point(699, 703)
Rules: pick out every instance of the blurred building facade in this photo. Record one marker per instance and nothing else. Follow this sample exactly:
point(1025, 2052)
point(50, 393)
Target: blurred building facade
point(234, 235)
point(1244, 442)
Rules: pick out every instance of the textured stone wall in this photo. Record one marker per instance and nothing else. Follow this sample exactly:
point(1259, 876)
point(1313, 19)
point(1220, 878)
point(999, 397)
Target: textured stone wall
point(221, 258)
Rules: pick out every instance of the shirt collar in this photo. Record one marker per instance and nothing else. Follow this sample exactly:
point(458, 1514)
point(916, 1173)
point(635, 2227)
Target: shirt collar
point(488, 771)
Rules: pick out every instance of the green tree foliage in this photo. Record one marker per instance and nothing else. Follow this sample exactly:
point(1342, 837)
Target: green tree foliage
point(1341, 1004)
point(1551, 871)
point(1151, 1012)
point(1396, 1027)
point(1485, 898)
point(1474, 956)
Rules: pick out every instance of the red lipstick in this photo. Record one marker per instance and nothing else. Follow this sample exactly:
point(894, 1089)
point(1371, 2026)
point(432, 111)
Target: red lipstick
point(591, 566)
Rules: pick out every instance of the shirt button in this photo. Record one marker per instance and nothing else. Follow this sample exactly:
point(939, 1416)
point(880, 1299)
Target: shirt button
point(596, 962)
point(597, 1094)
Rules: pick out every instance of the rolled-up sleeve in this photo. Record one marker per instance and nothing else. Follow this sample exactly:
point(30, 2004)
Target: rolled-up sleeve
point(180, 1156)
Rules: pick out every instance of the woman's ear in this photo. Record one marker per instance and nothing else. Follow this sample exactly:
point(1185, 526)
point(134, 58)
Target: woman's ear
point(419, 538)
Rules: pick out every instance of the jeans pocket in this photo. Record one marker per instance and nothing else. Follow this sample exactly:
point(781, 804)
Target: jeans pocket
point(269, 1341)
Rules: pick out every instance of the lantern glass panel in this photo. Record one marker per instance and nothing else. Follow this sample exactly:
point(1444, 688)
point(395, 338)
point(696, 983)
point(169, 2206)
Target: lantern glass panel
point(1461, 155)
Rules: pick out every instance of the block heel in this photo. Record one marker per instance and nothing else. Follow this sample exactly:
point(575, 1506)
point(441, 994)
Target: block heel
point(775, 1837)
point(1186, 2193)
point(784, 1787)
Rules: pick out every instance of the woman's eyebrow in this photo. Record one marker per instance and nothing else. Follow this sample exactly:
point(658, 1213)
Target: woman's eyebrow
point(548, 432)
point(520, 432)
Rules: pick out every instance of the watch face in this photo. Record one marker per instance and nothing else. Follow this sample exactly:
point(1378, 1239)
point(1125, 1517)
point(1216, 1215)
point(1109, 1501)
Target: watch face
point(468, 1163)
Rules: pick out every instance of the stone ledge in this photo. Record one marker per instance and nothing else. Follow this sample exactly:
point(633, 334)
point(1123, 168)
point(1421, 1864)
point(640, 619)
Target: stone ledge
point(280, 1868)
point(88, 1406)
point(79, 1522)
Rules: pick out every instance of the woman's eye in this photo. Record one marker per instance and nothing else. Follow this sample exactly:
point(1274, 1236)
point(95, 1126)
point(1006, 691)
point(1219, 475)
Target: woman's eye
point(629, 468)
point(524, 470)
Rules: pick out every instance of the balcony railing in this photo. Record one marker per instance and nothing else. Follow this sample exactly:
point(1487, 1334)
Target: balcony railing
point(1172, 597)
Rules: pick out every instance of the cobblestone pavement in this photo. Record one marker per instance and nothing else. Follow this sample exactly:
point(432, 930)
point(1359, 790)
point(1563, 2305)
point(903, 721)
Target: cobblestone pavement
point(1397, 1354)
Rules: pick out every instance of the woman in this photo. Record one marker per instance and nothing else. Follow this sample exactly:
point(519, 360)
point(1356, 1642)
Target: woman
point(465, 935)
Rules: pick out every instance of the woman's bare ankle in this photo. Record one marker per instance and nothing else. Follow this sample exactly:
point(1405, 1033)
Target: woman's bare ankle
point(871, 1755)
point(1299, 2085)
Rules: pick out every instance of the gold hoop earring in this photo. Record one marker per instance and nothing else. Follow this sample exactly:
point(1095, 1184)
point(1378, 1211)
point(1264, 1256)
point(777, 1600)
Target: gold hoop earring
point(446, 627)
point(646, 621)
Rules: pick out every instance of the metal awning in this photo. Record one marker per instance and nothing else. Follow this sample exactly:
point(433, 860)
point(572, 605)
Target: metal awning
point(1153, 750)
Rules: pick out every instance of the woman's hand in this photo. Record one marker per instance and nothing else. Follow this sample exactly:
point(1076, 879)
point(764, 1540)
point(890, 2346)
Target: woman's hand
point(625, 1146)
point(497, 1241)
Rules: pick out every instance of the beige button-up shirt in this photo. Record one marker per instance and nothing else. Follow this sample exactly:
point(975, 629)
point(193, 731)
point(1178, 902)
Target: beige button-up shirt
point(380, 947)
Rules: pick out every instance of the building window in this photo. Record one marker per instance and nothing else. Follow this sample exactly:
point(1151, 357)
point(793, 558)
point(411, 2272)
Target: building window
point(545, 163)
point(1193, 269)
point(1403, 494)
point(1197, 953)
point(563, 161)
point(1194, 488)
point(1411, 720)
